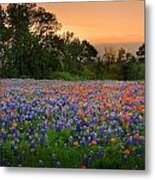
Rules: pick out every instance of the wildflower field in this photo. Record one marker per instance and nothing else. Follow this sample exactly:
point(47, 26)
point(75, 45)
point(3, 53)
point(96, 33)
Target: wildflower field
point(65, 124)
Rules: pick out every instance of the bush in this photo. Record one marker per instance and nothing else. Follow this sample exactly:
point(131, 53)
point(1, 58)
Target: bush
point(88, 74)
point(64, 76)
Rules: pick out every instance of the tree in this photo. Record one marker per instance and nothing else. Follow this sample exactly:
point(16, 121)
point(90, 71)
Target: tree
point(88, 50)
point(4, 41)
point(141, 53)
point(31, 47)
point(44, 23)
point(109, 55)
point(29, 26)
point(121, 54)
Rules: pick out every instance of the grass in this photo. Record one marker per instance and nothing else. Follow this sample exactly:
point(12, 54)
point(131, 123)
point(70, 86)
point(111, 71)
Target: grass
point(60, 155)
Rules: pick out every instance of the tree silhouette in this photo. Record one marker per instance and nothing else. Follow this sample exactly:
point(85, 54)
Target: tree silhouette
point(141, 53)
point(30, 46)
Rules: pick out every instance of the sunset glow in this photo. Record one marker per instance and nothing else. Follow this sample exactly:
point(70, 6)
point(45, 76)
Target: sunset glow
point(101, 21)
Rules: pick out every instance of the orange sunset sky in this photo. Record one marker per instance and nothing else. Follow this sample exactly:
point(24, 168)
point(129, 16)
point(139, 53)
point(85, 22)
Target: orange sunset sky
point(101, 21)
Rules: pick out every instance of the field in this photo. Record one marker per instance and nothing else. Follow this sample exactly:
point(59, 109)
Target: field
point(62, 124)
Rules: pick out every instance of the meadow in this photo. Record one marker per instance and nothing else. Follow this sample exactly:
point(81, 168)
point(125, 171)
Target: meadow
point(67, 124)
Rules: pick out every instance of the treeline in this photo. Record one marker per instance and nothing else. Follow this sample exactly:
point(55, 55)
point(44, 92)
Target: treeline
point(122, 65)
point(31, 47)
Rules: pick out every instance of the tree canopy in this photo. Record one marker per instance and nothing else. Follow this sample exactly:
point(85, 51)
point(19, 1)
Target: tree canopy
point(30, 46)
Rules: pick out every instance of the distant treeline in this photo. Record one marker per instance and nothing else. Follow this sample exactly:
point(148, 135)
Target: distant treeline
point(31, 47)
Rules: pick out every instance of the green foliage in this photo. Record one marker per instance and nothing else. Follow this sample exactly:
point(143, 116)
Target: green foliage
point(88, 74)
point(57, 150)
point(141, 53)
point(65, 76)
point(123, 66)
point(31, 47)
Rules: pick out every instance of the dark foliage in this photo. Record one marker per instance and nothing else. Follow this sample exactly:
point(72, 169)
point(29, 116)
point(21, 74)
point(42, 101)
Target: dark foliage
point(31, 47)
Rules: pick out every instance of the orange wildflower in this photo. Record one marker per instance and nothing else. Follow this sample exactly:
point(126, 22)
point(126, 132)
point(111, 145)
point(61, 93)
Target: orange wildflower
point(93, 143)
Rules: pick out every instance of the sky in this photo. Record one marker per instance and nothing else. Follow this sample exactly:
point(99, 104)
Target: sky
point(101, 21)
